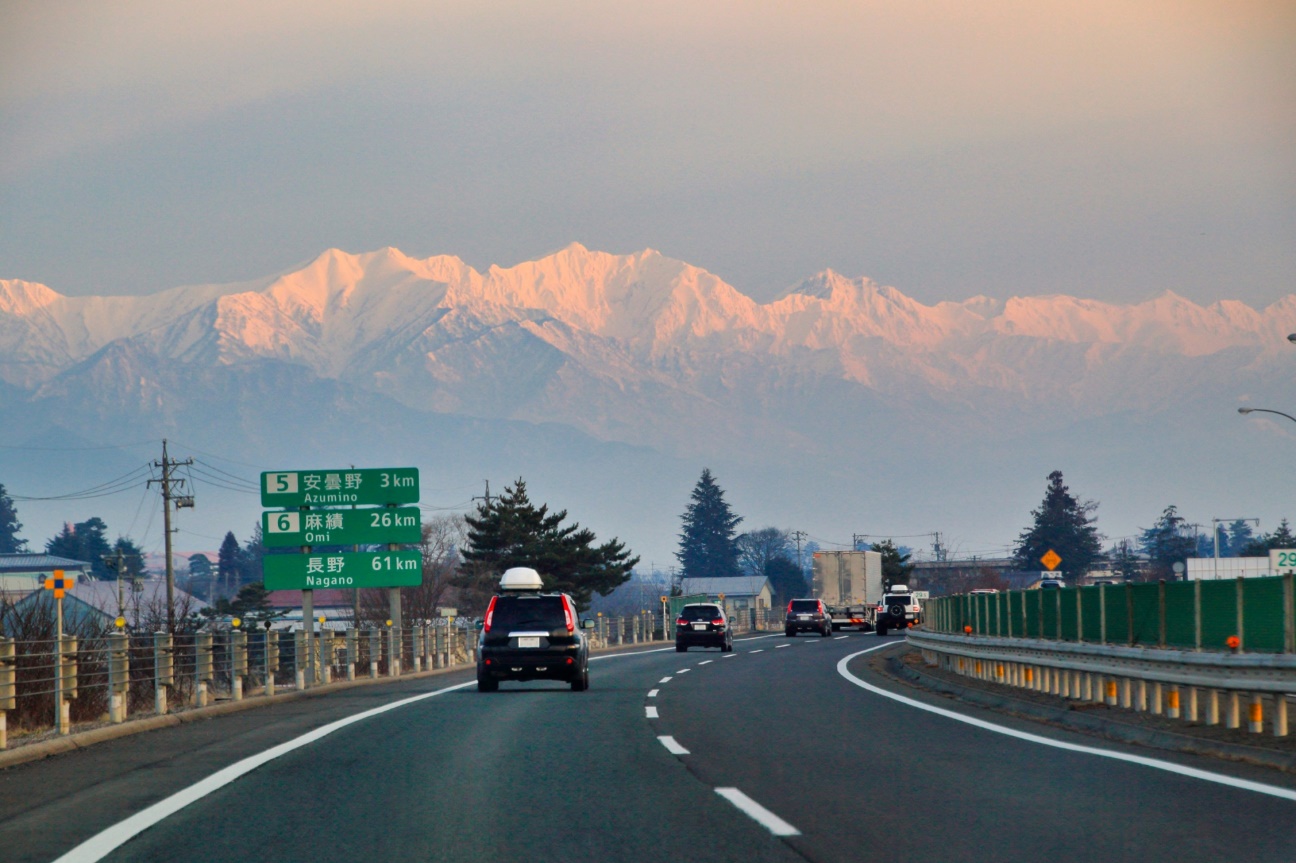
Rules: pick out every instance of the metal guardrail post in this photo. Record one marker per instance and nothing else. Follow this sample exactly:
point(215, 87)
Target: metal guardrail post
point(118, 675)
point(299, 658)
point(238, 662)
point(1197, 614)
point(375, 651)
point(163, 670)
point(271, 661)
point(352, 645)
point(1079, 615)
point(1289, 623)
point(1058, 603)
point(1241, 597)
point(394, 650)
point(326, 640)
point(8, 694)
point(1129, 613)
point(203, 666)
point(1102, 614)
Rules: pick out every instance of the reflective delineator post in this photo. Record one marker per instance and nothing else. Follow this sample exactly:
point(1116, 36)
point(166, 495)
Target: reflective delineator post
point(1172, 701)
point(163, 670)
point(352, 644)
point(238, 662)
point(1255, 715)
point(375, 652)
point(416, 633)
point(118, 675)
point(203, 666)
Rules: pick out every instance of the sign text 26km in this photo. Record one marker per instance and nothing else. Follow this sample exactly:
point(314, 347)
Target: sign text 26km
point(341, 527)
point(362, 487)
point(343, 569)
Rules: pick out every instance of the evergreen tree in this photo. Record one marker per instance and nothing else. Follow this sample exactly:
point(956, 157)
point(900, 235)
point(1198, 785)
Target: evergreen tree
point(1240, 536)
point(229, 563)
point(9, 525)
point(708, 548)
point(1261, 545)
point(758, 547)
point(1124, 562)
point(253, 553)
point(1166, 543)
point(512, 531)
point(1064, 524)
point(83, 541)
point(785, 579)
point(896, 567)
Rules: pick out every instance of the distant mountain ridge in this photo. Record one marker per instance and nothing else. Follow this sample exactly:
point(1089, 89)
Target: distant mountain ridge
point(636, 350)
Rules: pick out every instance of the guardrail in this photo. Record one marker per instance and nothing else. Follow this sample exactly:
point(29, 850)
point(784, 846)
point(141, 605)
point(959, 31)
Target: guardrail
point(113, 676)
point(1179, 684)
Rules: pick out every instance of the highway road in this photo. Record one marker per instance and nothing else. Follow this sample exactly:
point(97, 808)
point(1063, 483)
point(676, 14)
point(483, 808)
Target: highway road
point(775, 752)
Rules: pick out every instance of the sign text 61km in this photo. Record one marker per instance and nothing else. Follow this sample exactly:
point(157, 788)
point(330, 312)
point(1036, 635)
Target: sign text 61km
point(350, 569)
point(341, 527)
point(360, 487)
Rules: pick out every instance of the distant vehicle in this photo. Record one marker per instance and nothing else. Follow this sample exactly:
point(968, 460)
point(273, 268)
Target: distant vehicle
point(899, 609)
point(1051, 583)
point(850, 585)
point(807, 615)
point(530, 635)
point(983, 590)
point(703, 625)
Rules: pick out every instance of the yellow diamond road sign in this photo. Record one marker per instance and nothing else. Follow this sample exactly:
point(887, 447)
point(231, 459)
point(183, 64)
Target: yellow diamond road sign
point(1051, 559)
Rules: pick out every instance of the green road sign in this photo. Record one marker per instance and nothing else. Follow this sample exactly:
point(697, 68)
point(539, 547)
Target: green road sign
point(343, 569)
point(341, 527)
point(367, 486)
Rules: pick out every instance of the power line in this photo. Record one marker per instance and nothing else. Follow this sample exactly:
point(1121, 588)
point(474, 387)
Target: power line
point(113, 486)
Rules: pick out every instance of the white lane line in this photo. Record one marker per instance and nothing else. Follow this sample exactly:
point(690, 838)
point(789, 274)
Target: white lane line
point(105, 842)
point(840, 637)
point(652, 693)
point(762, 650)
point(684, 671)
point(729, 656)
point(759, 637)
point(650, 712)
point(671, 746)
point(706, 662)
point(665, 680)
point(1154, 763)
point(758, 813)
point(782, 645)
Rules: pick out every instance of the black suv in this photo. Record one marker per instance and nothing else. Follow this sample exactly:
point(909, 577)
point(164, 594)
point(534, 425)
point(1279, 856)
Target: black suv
point(809, 615)
point(532, 636)
point(703, 624)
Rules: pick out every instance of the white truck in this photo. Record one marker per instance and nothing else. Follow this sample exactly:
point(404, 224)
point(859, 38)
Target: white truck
point(850, 584)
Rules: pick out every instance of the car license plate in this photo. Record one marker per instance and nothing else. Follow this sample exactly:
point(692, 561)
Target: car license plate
point(803, 617)
point(528, 641)
point(699, 626)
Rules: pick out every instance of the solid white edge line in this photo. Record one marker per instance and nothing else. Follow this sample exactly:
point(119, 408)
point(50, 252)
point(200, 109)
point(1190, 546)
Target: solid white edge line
point(758, 813)
point(650, 712)
point(671, 745)
point(1168, 766)
point(106, 841)
point(652, 693)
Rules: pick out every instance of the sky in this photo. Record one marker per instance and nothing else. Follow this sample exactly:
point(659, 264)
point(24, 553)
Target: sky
point(1107, 149)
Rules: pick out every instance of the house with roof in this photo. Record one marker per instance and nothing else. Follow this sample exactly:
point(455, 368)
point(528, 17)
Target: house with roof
point(741, 593)
point(98, 603)
point(21, 574)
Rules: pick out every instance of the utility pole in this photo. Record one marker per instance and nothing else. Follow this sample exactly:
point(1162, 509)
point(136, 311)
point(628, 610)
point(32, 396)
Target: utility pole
point(799, 536)
point(938, 550)
point(167, 481)
point(486, 497)
point(117, 563)
point(855, 540)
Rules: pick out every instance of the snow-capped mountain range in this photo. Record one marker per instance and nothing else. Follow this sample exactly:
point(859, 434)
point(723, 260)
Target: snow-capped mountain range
point(581, 352)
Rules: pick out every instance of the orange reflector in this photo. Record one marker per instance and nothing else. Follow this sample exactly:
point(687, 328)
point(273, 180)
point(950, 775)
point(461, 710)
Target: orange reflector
point(1233, 642)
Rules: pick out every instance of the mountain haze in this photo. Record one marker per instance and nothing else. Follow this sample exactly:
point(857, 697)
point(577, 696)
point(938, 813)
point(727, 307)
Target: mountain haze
point(841, 406)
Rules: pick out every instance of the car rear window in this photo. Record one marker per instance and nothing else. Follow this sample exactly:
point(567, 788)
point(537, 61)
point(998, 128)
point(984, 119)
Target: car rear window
point(804, 605)
point(528, 612)
point(700, 612)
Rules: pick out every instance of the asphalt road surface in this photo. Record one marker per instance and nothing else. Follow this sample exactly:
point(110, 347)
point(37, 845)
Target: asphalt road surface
point(768, 754)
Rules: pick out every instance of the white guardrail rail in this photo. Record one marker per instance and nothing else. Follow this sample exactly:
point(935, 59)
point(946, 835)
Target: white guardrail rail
point(1178, 684)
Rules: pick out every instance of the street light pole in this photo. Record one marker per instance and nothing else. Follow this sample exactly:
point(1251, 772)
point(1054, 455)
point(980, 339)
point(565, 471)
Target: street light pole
point(1245, 411)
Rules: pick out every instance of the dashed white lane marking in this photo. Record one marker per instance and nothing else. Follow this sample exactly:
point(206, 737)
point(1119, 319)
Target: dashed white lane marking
point(762, 650)
point(729, 656)
point(759, 637)
point(758, 813)
point(652, 693)
point(1169, 767)
point(651, 712)
point(782, 645)
point(665, 680)
point(105, 842)
point(683, 671)
point(706, 662)
point(630, 653)
point(840, 637)
point(671, 746)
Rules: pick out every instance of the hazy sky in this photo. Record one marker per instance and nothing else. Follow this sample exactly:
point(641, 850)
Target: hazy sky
point(1109, 149)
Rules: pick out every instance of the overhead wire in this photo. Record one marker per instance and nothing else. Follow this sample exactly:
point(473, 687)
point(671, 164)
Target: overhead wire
point(113, 486)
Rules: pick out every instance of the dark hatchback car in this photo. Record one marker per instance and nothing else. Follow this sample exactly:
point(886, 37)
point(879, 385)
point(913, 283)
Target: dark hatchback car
point(532, 636)
point(807, 615)
point(703, 625)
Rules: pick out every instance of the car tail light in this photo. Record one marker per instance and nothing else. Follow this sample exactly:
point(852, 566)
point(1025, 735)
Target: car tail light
point(789, 606)
point(490, 613)
point(681, 622)
point(719, 621)
point(486, 661)
point(571, 661)
point(567, 613)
